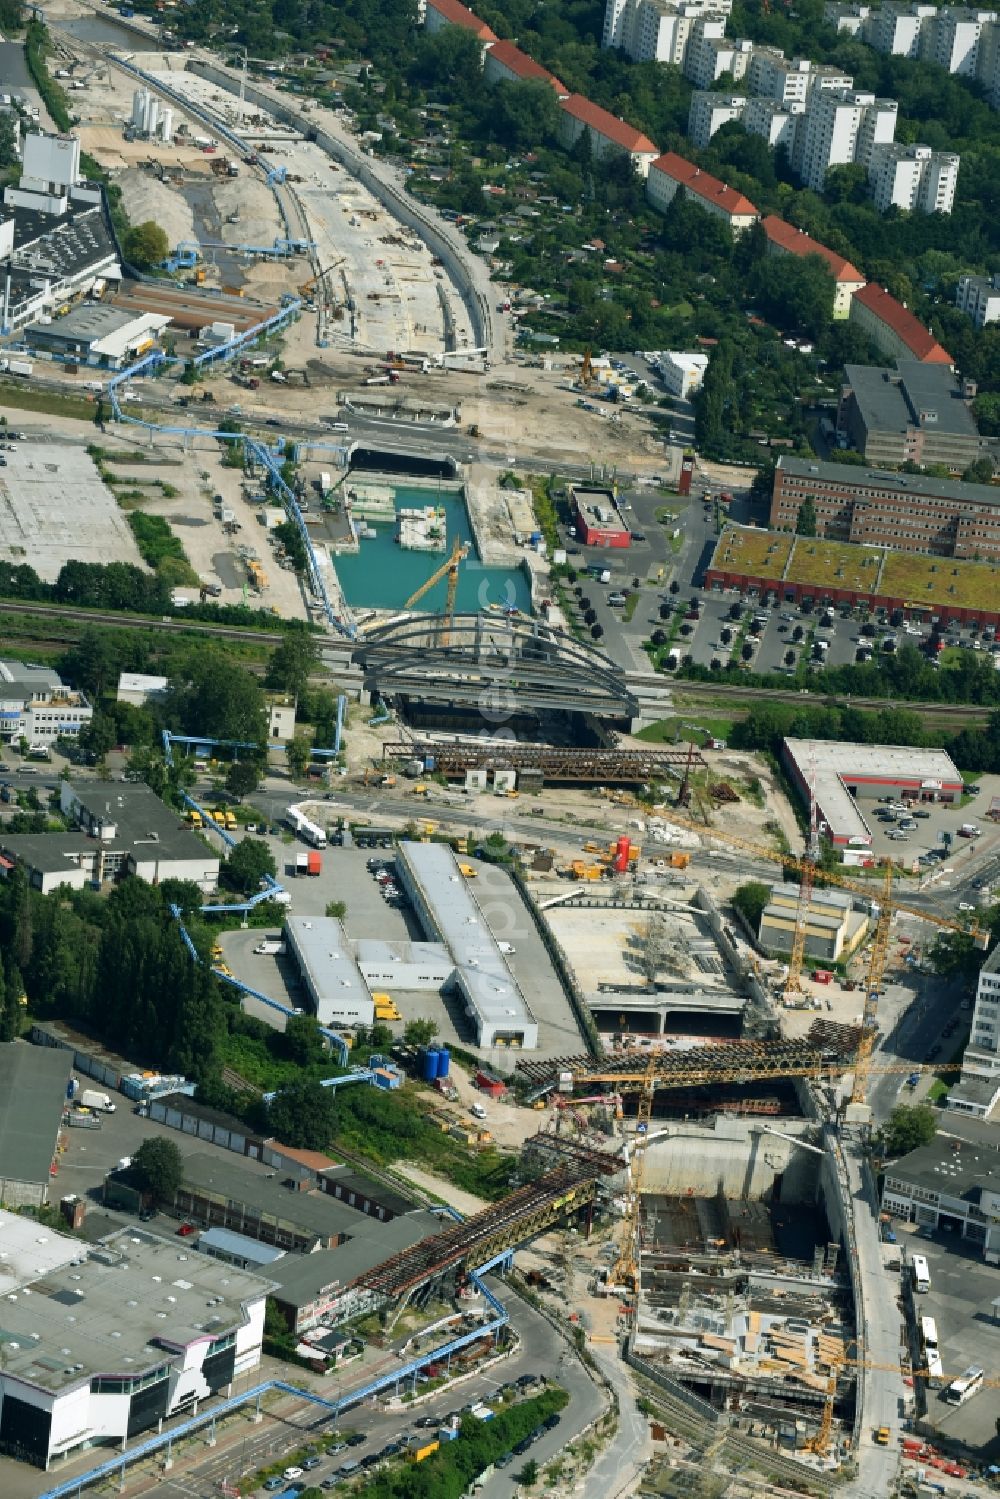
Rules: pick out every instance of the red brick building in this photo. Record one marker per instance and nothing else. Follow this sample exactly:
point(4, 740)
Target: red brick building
point(597, 518)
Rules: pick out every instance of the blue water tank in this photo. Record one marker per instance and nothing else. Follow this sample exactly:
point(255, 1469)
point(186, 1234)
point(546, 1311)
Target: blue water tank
point(443, 1061)
point(428, 1064)
point(72, 1087)
point(430, 761)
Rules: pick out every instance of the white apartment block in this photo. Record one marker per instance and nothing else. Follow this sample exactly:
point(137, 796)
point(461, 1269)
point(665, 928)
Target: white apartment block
point(913, 178)
point(846, 19)
point(657, 30)
point(775, 123)
point(979, 1088)
point(951, 38)
point(790, 81)
point(710, 53)
point(840, 127)
point(979, 298)
point(895, 30)
point(989, 62)
point(709, 112)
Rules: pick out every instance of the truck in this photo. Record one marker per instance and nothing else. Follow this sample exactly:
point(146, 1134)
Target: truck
point(314, 862)
point(270, 947)
point(101, 1103)
point(302, 863)
point(477, 1111)
point(308, 831)
point(22, 367)
point(325, 483)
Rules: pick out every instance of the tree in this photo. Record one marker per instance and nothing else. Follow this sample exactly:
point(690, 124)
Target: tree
point(145, 244)
point(750, 900)
point(242, 777)
point(291, 539)
point(292, 663)
point(794, 291)
point(159, 1166)
point(805, 520)
point(596, 632)
point(979, 472)
point(336, 909)
point(297, 756)
point(909, 1126)
point(206, 696)
point(247, 865)
point(528, 1474)
point(97, 737)
point(419, 1032)
point(380, 1037)
point(789, 658)
point(10, 1010)
point(303, 1114)
point(303, 1043)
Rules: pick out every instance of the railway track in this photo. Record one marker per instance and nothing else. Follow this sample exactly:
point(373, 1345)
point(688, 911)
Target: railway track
point(140, 622)
point(705, 691)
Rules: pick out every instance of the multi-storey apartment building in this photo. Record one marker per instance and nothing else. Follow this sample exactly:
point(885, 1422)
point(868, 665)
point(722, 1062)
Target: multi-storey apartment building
point(785, 239)
point(979, 1088)
point(979, 298)
point(914, 178)
point(709, 112)
point(893, 329)
point(671, 174)
point(775, 123)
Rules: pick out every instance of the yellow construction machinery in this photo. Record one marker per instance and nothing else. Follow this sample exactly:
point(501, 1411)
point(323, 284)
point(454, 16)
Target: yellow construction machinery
point(820, 1443)
point(459, 551)
point(625, 1271)
point(587, 369)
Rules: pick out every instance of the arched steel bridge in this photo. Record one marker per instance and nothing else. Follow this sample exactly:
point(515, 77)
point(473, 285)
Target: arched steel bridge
point(500, 664)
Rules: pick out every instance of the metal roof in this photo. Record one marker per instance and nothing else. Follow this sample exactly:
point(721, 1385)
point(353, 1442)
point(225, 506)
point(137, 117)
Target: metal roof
point(238, 1244)
point(489, 984)
point(32, 1097)
point(891, 400)
point(327, 961)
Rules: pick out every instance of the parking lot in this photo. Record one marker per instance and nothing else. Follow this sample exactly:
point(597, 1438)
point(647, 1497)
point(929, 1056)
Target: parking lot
point(963, 1289)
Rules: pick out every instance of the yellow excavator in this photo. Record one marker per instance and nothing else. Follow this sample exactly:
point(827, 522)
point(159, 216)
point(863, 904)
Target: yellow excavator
point(459, 551)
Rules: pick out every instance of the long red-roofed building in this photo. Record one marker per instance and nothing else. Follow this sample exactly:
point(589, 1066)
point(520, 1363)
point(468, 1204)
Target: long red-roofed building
point(440, 13)
point(670, 174)
point(609, 136)
point(505, 63)
point(785, 239)
point(894, 329)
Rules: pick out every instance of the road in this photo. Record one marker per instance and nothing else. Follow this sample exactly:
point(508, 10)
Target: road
point(541, 1351)
point(883, 1389)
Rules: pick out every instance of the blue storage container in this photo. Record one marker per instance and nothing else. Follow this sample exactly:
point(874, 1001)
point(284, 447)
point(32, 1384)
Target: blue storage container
point(443, 1061)
point(428, 1067)
point(430, 762)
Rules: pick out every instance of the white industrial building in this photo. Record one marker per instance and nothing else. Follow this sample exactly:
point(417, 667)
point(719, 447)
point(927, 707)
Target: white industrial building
point(58, 239)
point(102, 1342)
point(979, 298)
point(137, 687)
point(416, 966)
point(913, 178)
point(978, 1090)
point(449, 914)
point(36, 705)
point(329, 970)
point(682, 374)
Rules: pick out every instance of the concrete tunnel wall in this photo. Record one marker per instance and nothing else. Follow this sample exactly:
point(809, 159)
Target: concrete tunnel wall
point(732, 1154)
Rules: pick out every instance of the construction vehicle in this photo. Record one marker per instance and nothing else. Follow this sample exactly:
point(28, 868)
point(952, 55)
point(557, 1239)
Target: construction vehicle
point(194, 818)
point(469, 870)
point(459, 551)
point(587, 369)
point(579, 869)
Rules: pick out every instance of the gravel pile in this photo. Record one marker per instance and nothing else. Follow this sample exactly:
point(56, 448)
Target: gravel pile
point(145, 197)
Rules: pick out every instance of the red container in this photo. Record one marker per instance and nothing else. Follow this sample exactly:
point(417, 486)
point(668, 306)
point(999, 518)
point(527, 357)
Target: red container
point(621, 855)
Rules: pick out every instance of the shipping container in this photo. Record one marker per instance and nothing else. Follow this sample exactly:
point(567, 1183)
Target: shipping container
point(314, 862)
point(302, 863)
point(426, 1450)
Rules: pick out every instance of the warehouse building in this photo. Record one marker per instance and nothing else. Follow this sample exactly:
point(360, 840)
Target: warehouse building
point(842, 774)
point(124, 829)
point(116, 1339)
point(327, 966)
point(418, 966)
point(33, 1085)
point(98, 335)
point(449, 913)
point(951, 1184)
point(907, 512)
point(833, 929)
point(598, 521)
point(809, 571)
point(910, 411)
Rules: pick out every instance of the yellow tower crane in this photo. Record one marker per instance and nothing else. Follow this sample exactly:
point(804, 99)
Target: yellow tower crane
point(873, 988)
point(625, 1271)
point(820, 1443)
point(459, 551)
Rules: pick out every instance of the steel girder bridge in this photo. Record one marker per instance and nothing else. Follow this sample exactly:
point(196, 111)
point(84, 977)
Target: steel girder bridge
point(499, 664)
point(491, 1234)
point(598, 766)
